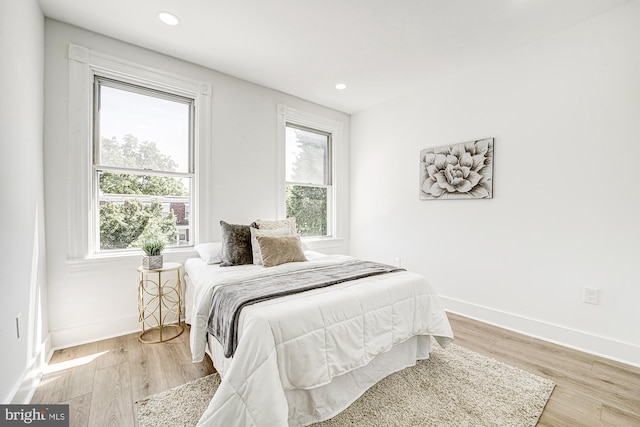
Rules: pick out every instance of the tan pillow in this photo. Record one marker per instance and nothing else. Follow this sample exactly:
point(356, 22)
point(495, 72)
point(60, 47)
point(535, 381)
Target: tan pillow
point(271, 225)
point(255, 232)
point(278, 250)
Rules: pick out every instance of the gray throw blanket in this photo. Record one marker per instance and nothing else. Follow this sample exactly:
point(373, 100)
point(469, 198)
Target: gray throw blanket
point(228, 300)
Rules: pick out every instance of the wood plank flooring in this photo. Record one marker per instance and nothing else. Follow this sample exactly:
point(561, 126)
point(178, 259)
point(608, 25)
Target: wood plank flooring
point(590, 391)
point(101, 381)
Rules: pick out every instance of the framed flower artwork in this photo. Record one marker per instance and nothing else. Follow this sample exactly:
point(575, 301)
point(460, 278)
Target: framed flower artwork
point(458, 171)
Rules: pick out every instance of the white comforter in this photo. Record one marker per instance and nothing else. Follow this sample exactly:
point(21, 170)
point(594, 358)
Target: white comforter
point(304, 341)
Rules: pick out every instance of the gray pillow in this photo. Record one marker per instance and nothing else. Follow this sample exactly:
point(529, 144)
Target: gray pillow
point(236, 245)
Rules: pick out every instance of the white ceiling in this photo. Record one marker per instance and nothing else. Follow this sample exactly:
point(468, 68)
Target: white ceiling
point(379, 48)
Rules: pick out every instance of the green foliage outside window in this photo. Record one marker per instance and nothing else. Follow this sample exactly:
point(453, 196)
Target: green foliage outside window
point(118, 183)
point(131, 153)
point(126, 224)
point(309, 206)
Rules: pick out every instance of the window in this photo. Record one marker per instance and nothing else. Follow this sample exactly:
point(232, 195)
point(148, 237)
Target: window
point(143, 165)
point(313, 185)
point(93, 77)
point(308, 179)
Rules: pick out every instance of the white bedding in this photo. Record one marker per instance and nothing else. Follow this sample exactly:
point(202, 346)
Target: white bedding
point(303, 358)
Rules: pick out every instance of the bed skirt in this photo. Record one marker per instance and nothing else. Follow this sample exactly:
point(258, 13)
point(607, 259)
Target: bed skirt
point(319, 404)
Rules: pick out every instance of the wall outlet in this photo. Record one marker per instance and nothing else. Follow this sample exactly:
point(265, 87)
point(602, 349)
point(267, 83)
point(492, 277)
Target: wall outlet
point(19, 325)
point(591, 296)
point(398, 262)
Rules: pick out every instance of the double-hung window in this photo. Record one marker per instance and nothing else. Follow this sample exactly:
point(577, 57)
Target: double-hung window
point(308, 179)
point(143, 165)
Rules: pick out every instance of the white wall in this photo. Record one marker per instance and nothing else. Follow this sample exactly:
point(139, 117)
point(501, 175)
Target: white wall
point(89, 300)
point(565, 115)
point(21, 195)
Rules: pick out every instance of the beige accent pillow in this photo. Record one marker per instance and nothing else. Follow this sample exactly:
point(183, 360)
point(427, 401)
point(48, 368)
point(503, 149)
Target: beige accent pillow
point(278, 250)
point(273, 224)
point(255, 247)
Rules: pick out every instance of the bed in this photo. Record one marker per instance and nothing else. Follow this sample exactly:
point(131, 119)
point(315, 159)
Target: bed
point(304, 357)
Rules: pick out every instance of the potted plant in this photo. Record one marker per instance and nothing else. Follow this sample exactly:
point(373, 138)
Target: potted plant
point(153, 248)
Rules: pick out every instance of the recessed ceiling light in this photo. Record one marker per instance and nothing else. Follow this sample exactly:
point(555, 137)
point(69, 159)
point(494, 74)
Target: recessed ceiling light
point(341, 86)
point(168, 18)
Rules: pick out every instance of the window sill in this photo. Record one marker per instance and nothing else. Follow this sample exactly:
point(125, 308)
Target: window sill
point(319, 243)
point(124, 259)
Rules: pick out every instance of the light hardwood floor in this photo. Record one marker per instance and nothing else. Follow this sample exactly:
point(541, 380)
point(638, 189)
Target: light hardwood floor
point(102, 380)
point(590, 391)
point(111, 375)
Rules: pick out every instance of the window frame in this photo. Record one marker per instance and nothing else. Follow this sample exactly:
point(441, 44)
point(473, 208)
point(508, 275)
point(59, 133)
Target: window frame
point(328, 172)
point(98, 167)
point(84, 66)
point(332, 127)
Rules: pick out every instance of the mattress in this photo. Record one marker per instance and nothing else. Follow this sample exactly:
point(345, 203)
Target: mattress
point(304, 358)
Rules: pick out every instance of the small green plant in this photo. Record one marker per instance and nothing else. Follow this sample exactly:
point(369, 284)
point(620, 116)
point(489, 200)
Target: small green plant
point(153, 246)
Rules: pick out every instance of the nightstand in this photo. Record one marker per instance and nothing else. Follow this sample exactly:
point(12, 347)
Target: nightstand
point(159, 300)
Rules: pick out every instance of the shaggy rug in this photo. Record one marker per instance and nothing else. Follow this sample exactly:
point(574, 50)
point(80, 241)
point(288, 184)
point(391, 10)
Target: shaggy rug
point(455, 387)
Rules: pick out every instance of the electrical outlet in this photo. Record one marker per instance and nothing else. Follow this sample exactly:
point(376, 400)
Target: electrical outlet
point(398, 262)
point(590, 296)
point(19, 325)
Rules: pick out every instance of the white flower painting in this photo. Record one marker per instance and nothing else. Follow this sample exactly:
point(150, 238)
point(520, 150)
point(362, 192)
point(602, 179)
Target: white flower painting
point(459, 171)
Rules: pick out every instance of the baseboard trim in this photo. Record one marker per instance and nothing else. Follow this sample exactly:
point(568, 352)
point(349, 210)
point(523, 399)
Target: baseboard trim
point(96, 331)
point(25, 388)
point(607, 348)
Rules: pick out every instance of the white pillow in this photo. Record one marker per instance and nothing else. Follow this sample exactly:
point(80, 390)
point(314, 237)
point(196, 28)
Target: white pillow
point(211, 253)
point(264, 224)
point(255, 247)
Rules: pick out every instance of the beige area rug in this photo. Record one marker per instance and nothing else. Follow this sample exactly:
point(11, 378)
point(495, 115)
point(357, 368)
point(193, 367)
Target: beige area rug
point(455, 387)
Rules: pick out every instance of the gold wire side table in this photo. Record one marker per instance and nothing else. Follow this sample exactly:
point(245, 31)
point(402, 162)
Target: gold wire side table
point(159, 300)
